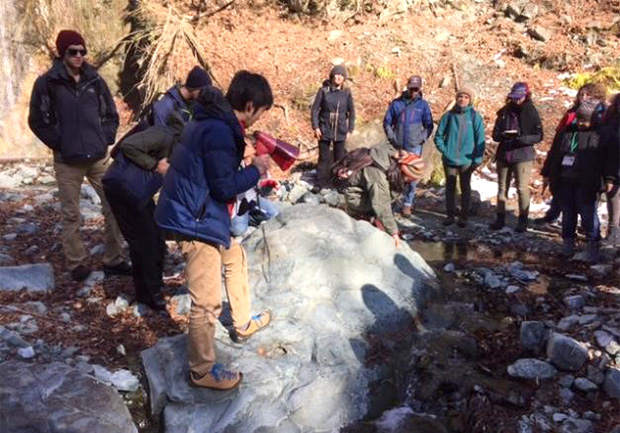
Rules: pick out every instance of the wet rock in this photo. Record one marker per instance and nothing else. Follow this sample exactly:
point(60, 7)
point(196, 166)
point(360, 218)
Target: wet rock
point(33, 278)
point(26, 352)
point(572, 425)
point(313, 355)
point(612, 382)
point(33, 249)
point(123, 380)
point(533, 335)
point(529, 368)
point(55, 398)
point(574, 302)
point(565, 352)
point(586, 319)
point(585, 385)
point(140, 310)
point(404, 420)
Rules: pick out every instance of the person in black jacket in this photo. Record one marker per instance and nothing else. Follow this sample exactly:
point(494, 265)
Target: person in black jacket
point(72, 112)
point(333, 120)
point(610, 138)
point(575, 165)
point(517, 129)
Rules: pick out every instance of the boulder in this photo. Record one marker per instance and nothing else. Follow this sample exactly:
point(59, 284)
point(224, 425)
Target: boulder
point(33, 278)
point(56, 398)
point(343, 298)
point(529, 368)
point(566, 353)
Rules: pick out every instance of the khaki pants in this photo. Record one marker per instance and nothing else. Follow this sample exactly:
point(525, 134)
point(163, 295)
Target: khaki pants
point(204, 276)
point(522, 171)
point(69, 178)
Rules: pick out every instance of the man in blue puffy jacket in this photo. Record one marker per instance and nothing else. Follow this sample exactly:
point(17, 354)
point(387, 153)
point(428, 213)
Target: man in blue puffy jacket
point(408, 123)
point(199, 190)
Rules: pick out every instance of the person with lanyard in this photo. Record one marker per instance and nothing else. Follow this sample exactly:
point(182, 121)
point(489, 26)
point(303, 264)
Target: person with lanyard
point(575, 164)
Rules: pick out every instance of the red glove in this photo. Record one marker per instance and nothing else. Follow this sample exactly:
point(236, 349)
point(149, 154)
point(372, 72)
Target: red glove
point(269, 183)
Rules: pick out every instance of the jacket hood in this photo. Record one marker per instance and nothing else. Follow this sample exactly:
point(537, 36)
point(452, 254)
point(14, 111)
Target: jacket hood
point(175, 93)
point(58, 71)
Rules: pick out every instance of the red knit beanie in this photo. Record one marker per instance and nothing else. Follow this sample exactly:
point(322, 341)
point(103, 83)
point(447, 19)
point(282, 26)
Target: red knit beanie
point(66, 38)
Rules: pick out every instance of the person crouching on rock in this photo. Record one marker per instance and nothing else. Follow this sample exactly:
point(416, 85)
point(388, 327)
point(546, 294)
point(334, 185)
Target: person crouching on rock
point(460, 139)
point(374, 178)
point(194, 209)
point(575, 165)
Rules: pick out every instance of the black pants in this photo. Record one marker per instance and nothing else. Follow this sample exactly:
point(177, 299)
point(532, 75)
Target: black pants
point(147, 248)
point(327, 159)
point(464, 173)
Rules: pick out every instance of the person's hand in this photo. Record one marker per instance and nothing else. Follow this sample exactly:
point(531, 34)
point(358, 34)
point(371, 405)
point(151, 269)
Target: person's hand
point(261, 162)
point(318, 134)
point(269, 183)
point(162, 166)
point(396, 238)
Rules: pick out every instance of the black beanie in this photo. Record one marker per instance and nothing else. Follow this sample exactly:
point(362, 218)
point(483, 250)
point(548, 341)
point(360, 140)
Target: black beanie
point(197, 78)
point(338, 70)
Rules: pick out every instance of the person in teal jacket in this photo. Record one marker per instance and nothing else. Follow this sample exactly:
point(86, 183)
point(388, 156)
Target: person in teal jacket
point(460, 140)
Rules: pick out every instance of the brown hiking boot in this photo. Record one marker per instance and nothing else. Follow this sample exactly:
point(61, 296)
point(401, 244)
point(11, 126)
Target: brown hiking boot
point(257, 322)
point(406, 211)
point(217, 378)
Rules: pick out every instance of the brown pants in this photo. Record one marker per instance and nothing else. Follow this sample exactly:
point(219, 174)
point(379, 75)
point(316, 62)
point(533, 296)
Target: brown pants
point(522, 171)
point(69, 178)
point(204, 276)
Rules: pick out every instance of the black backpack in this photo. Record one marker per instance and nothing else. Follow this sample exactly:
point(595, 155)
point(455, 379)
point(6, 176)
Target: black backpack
point(146, 118)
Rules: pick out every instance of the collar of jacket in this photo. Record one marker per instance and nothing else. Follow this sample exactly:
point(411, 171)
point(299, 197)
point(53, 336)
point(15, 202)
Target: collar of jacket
point(458, 110)
point(58, 71)
point(175, 93)
point(407, 98)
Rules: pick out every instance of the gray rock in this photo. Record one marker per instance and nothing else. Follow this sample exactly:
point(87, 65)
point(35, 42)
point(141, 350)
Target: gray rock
point(595, 375)
point(9, 237)
point(26, 352)
point(308, 367)
point(567, 380)
point(119, 305)
point(566, 396)
point(612, 382)
point(5, 258)
point(36, 306)
point(585, 385)
point(33, 278)
point(89, 193)
point(12, 337)
point(586, 319)
point(449, 267)
point(540, 33)
point(574, 302)
point(97, 250)
point(533, 335)
point(55, 398)
point(603, 339)
point(613, 348)
point(512, 289)
point(517, 271)
point(559, 417)
point(310, 198)
point(577, 277)
point(28, 229)
point(140, 310)
point(296, 193)
point(333, 198)
point(568, 322)
point(565, 352)
point(601, 271)
point(123, 380)
point(491, 280)
point(572, 425)
point(529, 368)
point(183, 301)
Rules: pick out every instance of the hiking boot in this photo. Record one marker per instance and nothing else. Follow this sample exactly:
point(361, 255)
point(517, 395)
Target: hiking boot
point(258, 322)
point(499, 223)
point(448, 221)
point(406, 212)
point(592, 249)
point(80, 273)
point(155, 302)
point(522, 225)
point(122, 268)
point(568, 247)
point(217, 378)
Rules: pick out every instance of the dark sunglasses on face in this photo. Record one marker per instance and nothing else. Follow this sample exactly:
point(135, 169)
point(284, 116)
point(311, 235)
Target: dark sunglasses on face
point(73, 52)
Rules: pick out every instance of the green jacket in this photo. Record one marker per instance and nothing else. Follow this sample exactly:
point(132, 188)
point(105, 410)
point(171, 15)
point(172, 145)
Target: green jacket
point(147, 147)
point(368, 190)
point(460, 137)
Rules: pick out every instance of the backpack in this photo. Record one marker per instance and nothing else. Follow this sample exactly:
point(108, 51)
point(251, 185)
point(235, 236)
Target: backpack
point(146, 118)
point(347, 166)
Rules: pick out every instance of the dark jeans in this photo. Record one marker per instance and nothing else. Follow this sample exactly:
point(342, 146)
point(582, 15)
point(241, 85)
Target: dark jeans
point(613, 207)
point(555, 207)
point(327, 159)
point(147, 248)
point(577, 201)
point(464, 173)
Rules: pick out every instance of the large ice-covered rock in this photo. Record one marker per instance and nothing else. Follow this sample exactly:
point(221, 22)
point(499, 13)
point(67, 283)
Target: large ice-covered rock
point(343, 299)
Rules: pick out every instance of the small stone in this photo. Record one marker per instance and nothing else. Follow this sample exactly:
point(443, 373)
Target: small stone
point(574, 302)
point(612, 383)
point(512, 289)
point(585, 385)
point(559, 417)
point(565, 352)
point(65, 317)
point(539, 33)
point(572, 425)
point(26, 352)
point(12, 337)
point(613, 348)
point(533, 335)
point(97, 250)
point(491, 280)
point(449, 267)
point(592, 416)
point(567, 380)
point(519, 310)
point(586, 319)
point(595, 375)
point(121, 350)
point(601, 271)
point(529, 368)
point(33, 249)
point(577, 277)
point(603, 339)
point(566, 395)
point(568, 322)
point(140, 310)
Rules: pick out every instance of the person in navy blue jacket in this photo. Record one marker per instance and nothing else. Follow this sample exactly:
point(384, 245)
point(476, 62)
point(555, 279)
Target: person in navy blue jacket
point(199, 190)
point(408, 123)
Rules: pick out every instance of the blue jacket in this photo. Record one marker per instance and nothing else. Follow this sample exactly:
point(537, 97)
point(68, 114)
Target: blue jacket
point(460, 137)
point(170, 102)
point(204, 174)
point(408, 122)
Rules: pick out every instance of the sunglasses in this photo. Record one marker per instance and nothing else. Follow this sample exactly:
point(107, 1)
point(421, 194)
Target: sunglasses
point(73, 52)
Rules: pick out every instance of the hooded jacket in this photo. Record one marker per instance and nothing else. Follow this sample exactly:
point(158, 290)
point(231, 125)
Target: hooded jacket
point(610, 141)
point(171, 102)
point(525, 120)
point(368, 190)
point(460, 137)
point(78, 121)
point(204, 174)
point(408, 122)
point(333, 112)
